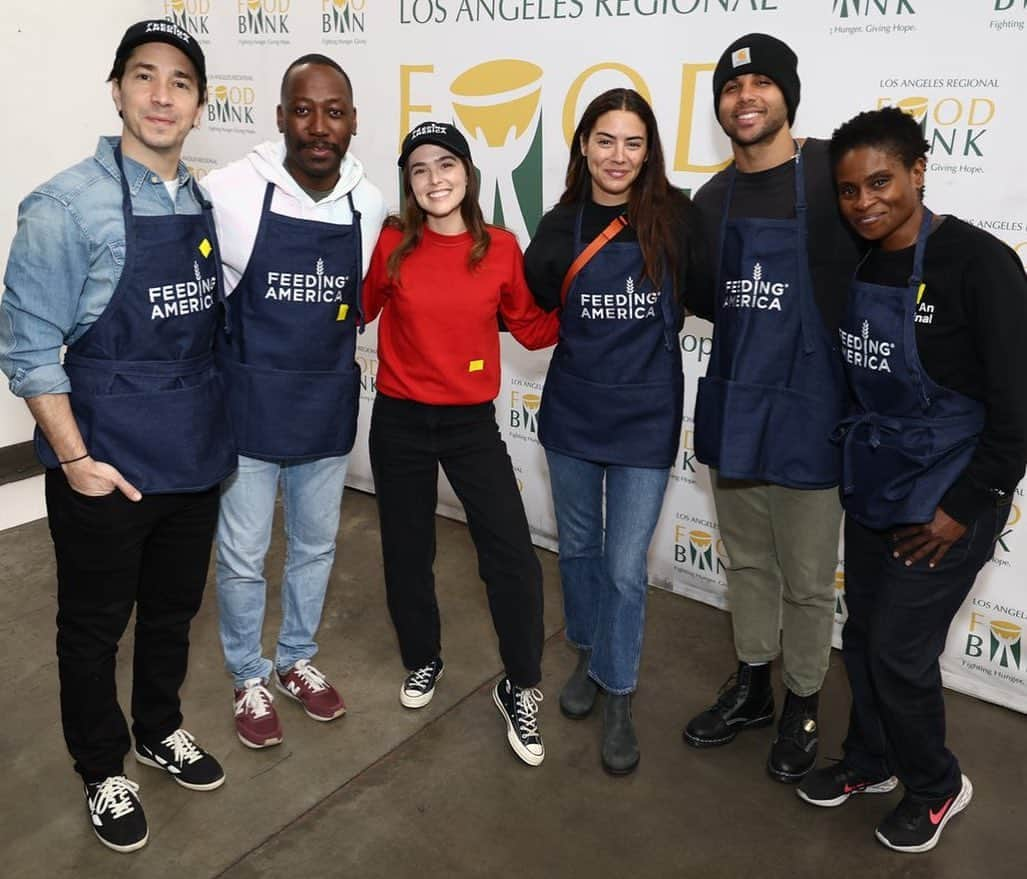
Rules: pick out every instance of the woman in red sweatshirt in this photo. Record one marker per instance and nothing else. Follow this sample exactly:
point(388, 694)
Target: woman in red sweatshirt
point(439, 276)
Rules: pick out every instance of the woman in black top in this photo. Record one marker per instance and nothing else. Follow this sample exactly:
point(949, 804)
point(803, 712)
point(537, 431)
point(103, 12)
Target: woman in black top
point(933, 343)
point(610, 419)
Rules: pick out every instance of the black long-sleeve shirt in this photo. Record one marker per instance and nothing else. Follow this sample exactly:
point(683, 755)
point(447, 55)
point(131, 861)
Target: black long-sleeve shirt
point(551, 251)
point(971, 335)
point(833, 248)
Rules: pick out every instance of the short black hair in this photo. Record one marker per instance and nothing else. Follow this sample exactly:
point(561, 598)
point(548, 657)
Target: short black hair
point(889, 129)
point(314, 58)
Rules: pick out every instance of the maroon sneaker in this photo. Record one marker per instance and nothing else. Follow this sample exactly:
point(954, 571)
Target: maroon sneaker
point(310, 688)
point(256, 721)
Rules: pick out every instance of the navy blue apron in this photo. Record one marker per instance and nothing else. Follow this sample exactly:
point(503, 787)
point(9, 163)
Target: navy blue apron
point(144, 388)
point(289, 361)
point(908, 438)
point(614, 390)
point(774, 389)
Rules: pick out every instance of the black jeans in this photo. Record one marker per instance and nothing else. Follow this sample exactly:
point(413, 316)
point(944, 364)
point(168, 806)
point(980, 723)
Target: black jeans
point(408, 442)
point(898, 621)
point(114, 555)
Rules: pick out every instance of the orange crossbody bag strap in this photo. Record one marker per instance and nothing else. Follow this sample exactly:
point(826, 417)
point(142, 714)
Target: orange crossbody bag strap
point(597, 244)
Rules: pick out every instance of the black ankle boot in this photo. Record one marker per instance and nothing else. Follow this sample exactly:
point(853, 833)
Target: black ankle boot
point(620, 744)
point(579, 693)
point(795, 749)
point(746, 700)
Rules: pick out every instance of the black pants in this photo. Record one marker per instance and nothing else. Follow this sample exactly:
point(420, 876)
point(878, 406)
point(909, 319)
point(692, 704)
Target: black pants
point(113, 555)
point(898, 621)
point(408, 442)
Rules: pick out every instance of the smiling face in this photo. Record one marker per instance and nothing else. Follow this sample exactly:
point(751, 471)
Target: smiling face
point(158, 97)
point(879, 196)
point(318, 119)
point(438, 180)
point(615, 151)
point(752, 109)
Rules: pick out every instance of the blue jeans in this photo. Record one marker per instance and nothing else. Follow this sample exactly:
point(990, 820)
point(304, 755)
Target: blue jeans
point(312, 498)
point(604, 571)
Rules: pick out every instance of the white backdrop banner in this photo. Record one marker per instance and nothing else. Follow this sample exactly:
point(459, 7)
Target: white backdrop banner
point(515, 75)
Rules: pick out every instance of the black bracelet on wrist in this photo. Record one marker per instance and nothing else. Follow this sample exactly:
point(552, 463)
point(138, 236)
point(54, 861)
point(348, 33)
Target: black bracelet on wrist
point(73, 460)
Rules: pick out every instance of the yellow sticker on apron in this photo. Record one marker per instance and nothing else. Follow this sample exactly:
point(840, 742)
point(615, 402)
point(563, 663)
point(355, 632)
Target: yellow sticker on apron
point(343, 311)
point(476, 366)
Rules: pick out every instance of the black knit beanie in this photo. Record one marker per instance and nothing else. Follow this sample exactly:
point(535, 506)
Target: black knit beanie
point(759, 53)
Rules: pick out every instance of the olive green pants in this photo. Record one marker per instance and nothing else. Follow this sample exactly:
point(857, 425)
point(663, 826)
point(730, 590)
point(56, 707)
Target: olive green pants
point(782, 547)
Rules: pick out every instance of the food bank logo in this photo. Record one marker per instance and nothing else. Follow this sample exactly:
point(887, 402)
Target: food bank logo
point(342, 16)
point(841, 609)
point(524, 409)
point(756, 293)
point(865, 351)
point(367, 361)
point(954, 125)
point(263, 17)
point(697, 548)
point(498, 106)
point(232, 105)
point(687, 462)
point(1002, 542)
point(871, 8)
point(190, 15)
point(1000, 641)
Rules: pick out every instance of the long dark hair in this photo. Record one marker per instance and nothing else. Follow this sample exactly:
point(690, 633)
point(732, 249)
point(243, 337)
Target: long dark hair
point(410, 221)
point(653, 201)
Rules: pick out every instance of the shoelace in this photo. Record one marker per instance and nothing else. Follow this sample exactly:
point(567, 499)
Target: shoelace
point(114, 796)
point(526, 701)
point(725, 698)
point(255, 699)
point(310, 676)
point(418, 680)
point(909, 812)
point(183, 747)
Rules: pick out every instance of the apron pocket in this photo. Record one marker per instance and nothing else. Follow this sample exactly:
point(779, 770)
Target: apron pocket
point(161, 441)
point(285, 414)
point(767, 433)
point(635, 425)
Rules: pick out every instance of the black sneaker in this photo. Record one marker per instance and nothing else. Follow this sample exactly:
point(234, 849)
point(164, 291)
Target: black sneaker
point(419, 686)
point(833, 785)
point(745, 701)
point(519, 707)
point(183, 760)
point(794, 751)
point(117, 814)
point(916, 825)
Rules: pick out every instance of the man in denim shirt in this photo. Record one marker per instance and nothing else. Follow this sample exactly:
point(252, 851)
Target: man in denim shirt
point(116, 258)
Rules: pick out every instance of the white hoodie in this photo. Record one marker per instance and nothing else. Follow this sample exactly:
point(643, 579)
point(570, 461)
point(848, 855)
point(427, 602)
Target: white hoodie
point(237, 193)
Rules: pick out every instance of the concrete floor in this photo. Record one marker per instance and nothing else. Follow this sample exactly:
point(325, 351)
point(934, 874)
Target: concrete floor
point(387, 792)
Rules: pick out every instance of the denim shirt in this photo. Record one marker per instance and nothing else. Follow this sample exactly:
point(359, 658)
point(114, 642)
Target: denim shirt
point(66, 261)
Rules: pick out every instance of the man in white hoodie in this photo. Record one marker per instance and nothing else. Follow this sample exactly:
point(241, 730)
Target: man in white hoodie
point(297, 222)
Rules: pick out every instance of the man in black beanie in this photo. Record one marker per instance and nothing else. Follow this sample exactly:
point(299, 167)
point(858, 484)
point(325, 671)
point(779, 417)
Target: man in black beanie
point(771, 397)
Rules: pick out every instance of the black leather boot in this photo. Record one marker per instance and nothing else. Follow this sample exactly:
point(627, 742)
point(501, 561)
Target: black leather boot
point(745, 701)
point(620, 744)
point(795, 749)
point(579, 693)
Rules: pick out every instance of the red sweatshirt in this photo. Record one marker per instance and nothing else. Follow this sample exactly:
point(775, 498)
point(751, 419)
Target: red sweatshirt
point(438, 340)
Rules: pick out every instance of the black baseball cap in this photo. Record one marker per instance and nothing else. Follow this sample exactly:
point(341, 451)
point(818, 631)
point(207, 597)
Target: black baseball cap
point(161, 31)
point(439, 133)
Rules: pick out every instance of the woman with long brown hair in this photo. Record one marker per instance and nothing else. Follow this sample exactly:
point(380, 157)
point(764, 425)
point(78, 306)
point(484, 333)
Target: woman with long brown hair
point(439, 276)
point(610, 419)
